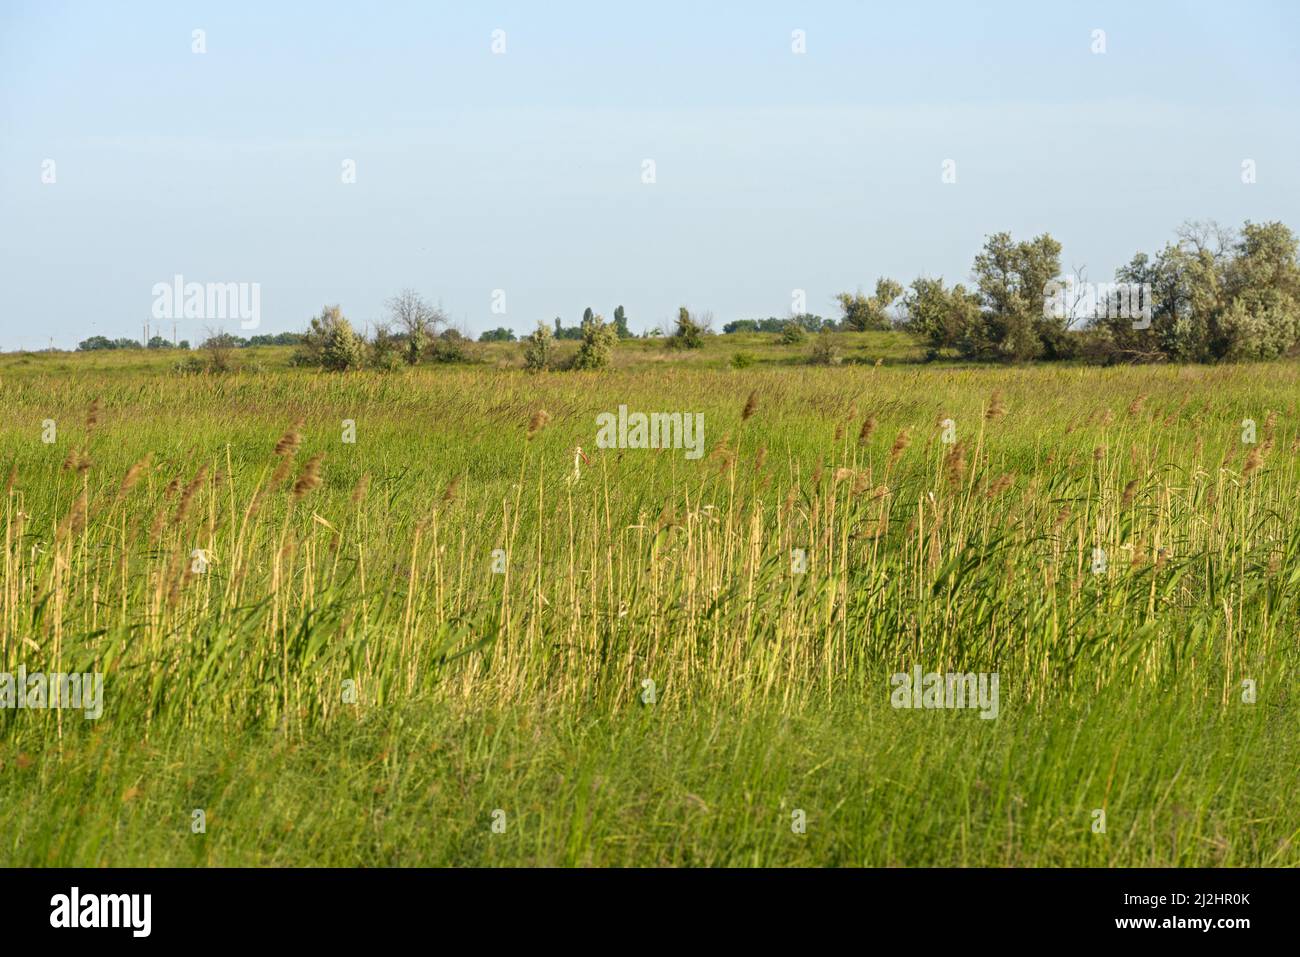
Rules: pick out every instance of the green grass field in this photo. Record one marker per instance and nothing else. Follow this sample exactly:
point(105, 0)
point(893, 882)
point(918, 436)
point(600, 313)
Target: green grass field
point(353, 674)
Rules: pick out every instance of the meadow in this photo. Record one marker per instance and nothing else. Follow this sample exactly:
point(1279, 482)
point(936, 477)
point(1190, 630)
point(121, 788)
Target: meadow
point(395, 619)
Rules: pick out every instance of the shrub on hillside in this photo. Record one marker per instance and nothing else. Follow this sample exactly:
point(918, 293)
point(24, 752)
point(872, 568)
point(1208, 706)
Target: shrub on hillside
point(742, 360)
point(824, 351)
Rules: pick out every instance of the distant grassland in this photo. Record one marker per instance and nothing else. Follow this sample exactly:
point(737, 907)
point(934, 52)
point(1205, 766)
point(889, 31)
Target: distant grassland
point(334, 566)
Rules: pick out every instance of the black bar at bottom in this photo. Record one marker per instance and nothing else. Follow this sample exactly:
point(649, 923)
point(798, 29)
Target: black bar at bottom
point(333, 907)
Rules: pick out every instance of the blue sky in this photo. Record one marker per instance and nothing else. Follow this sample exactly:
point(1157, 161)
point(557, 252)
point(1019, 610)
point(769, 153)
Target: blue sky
point(522, 171)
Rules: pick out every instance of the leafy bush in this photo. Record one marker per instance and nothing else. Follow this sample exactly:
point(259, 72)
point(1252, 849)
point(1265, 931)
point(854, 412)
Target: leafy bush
point(942, 318)
point(824, 350)
point(385, 350)
point(450, 346)
point(620, 324)
point(689, 333)
point(742, 360)
point(330, 343)
point(869, 312)
point(219, 348)
point(598, 338)
point(190, 365)
point(417, 340)
point(539, 348)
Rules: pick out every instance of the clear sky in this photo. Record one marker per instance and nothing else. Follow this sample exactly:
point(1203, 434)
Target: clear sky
point(523, 171)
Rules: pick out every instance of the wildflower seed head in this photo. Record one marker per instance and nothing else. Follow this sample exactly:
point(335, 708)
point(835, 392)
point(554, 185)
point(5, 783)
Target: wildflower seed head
point(751, 404)
point(537, 422)
point(996, 407)
point(290, 441)
point(309, 478)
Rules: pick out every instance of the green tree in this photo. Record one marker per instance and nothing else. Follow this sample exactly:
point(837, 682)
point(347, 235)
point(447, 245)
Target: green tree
point(418, 320)
point(417, 340)
point(620, 323)
point(342, 349)
point(1261, 283)
point(539, 348)
point(1116, 337)
point(869, 312)
point(942, 318)
point(572, 332)
point(310, 348)
point(1215, 295)
point(598, 338)
point(384, 351)
point(1012, 279)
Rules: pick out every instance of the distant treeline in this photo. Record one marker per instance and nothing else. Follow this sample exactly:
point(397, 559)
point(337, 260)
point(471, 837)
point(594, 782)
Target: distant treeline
point(1211, 294)
point(158, 342)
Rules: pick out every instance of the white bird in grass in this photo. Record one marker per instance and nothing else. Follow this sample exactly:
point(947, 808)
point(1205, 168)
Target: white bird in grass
point(578, 458)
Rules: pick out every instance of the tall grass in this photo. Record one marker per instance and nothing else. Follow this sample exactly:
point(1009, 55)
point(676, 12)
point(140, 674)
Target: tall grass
point(344, 584)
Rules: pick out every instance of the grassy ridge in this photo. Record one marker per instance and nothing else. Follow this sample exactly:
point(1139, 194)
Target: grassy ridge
point(334, 566)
